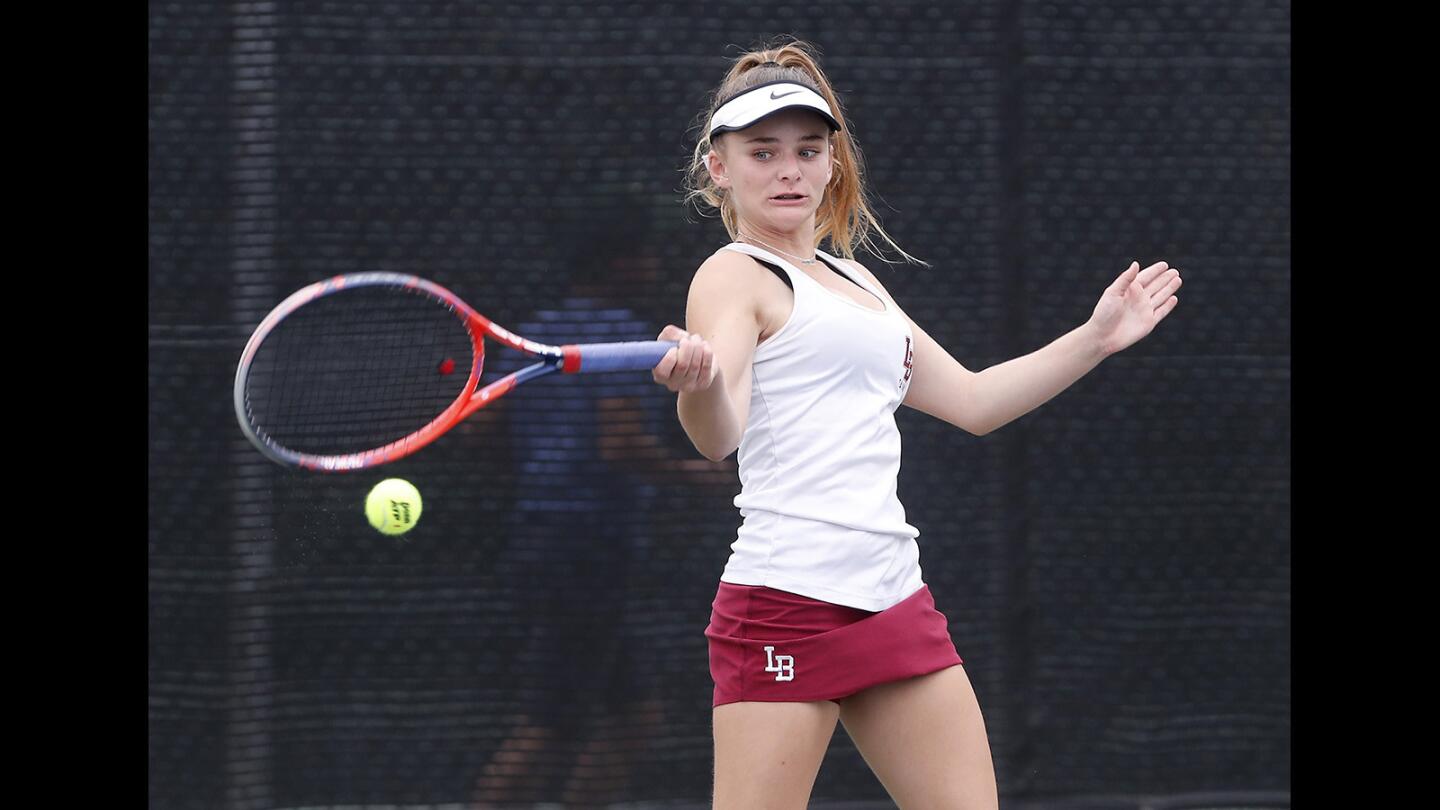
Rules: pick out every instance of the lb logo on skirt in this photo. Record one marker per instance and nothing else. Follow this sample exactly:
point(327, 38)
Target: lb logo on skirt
point(784, 665)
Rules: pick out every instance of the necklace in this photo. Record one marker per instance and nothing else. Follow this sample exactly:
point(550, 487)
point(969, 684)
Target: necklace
point(778, 250)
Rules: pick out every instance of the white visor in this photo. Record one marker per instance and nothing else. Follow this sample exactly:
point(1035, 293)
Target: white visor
point(763, 101)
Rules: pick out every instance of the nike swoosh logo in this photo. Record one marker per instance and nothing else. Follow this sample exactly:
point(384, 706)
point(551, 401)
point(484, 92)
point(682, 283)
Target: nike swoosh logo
point(782, 95)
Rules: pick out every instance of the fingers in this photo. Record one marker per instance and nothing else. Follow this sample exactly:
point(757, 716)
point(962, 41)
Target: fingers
point(1146, 276)
point(705, 370)
point(672, 332)
point(1165, 308)
point(666, 367)
point(1157, 282)
point(1164, 287)
point(690, 366)
point(663, 369)
point(1126, 278)
point(693, 356)
point(1157, 273)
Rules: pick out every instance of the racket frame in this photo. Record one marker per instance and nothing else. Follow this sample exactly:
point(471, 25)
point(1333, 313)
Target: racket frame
point(564, 359)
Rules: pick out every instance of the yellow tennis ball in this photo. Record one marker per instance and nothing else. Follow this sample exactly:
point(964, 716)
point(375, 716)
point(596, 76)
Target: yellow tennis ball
point(393, 506)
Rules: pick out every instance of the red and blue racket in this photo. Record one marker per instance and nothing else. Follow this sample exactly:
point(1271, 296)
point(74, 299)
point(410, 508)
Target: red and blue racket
point(363, 369)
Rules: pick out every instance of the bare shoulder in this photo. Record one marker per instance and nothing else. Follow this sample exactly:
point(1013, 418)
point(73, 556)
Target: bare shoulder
point(724, 286)
point(730, 281)
point(725, 280)
point(727, 270)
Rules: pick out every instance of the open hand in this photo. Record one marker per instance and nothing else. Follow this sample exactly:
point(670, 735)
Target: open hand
point(1132, 306)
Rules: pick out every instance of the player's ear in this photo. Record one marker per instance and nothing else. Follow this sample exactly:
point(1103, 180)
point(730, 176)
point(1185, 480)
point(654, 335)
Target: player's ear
point(718, 173)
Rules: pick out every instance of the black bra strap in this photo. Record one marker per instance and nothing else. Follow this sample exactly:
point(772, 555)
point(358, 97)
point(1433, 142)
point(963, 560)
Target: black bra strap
point(785, 277)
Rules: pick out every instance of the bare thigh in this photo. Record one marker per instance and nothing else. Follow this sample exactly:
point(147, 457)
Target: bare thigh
point(768, 754)
point(925, 740)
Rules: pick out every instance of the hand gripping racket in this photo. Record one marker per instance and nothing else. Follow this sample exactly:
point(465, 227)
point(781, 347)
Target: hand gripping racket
point(363, 369)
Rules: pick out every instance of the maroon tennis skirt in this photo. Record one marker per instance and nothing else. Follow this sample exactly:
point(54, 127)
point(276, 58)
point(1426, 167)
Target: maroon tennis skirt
point(769, 645)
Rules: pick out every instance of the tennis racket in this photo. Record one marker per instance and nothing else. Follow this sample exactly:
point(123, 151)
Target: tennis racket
point(360, 370)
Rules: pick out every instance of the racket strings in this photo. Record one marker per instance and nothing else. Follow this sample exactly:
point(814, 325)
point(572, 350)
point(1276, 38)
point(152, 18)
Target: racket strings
point(357, 370)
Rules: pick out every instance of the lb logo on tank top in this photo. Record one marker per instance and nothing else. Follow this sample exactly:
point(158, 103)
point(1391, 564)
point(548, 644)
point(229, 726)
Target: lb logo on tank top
point(782, 665)
point(909, 364)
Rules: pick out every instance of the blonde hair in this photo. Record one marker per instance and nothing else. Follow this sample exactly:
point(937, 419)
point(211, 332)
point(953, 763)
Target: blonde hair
point(844, 215)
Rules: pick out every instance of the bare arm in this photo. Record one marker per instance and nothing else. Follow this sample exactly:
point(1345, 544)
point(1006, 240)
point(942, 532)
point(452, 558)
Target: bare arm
point(980, 402)
point(711, 367)
point(1008, 391)
point(940, 386)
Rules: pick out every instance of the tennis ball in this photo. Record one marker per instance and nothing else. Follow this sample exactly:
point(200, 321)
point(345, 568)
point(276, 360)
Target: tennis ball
point(393, 506)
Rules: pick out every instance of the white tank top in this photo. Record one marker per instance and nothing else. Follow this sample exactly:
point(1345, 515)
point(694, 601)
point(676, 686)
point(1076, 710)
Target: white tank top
point(820, 454)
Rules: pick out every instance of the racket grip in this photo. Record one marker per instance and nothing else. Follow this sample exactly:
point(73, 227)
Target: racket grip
point(639, 355)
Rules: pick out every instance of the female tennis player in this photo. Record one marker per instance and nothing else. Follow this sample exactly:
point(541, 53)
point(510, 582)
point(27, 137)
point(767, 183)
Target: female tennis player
point(799, 358)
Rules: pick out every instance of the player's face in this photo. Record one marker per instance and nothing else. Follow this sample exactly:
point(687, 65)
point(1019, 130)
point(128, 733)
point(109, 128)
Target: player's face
point(776, 171)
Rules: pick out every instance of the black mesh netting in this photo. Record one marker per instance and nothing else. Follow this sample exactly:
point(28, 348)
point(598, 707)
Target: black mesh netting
point(1114, 566)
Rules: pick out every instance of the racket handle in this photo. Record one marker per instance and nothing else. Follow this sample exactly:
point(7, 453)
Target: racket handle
point(639, 355)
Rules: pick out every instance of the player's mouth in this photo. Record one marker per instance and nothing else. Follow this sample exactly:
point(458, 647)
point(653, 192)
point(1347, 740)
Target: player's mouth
point(789, 198)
